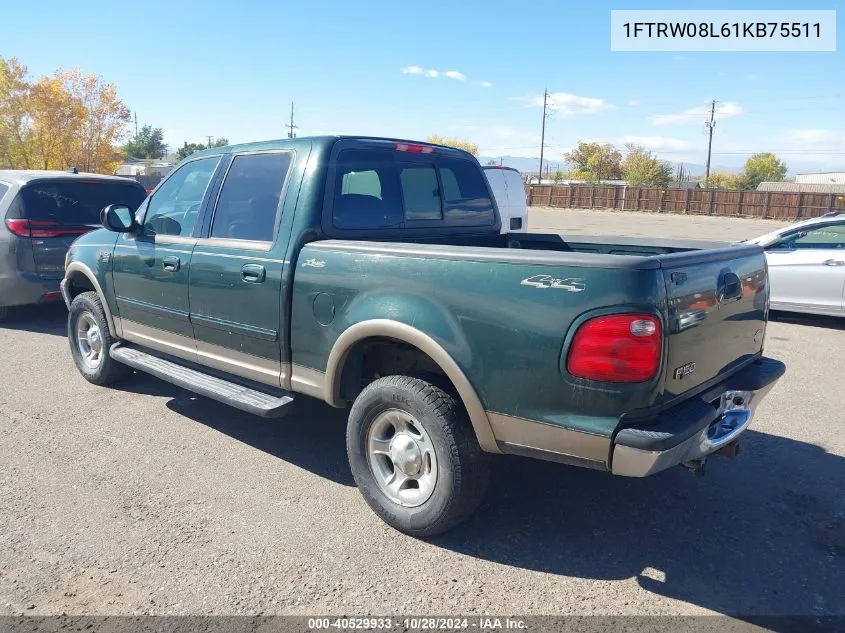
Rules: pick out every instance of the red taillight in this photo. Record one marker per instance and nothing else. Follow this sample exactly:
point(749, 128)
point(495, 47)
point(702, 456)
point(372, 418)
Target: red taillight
point(18, 227)
point(616, 348)
point(41, 228)
point(414, 149)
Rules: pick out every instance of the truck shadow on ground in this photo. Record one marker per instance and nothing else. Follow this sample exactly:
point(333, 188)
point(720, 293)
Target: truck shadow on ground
point(761, 534)
point(810, 320)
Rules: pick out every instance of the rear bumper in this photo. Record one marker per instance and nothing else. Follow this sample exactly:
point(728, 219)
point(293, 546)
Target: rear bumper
point(18, 289)
point(695, 428)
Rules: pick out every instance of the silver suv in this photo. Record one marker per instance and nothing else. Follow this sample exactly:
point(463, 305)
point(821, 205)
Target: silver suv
point(42, 212)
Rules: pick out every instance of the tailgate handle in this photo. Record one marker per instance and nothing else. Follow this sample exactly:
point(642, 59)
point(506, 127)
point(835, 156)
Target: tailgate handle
point(834, 262)
point(731, 288)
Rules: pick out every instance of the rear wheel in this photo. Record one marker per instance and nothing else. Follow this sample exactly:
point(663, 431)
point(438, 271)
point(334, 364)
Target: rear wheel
point(414, 456)
point(90, 340)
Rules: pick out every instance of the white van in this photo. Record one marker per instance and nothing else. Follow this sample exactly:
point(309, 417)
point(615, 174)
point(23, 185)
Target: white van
point(509, 190)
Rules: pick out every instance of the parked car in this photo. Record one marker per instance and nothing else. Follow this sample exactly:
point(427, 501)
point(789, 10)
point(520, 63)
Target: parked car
point(807, 265)
point(339, 268)
point(43, 212)
point(509, 191)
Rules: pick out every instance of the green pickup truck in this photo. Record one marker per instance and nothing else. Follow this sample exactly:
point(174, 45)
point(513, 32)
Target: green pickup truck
point(371, 272)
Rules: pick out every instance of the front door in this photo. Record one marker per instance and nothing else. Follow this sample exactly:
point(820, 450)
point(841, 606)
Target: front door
point(237, 271)
point(807, 269)
point(151, 266)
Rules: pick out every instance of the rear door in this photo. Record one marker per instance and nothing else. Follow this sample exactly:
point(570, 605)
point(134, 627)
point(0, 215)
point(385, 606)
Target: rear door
point(59, 211)
point(807, 269)
point(237, 270)
point(717, 313)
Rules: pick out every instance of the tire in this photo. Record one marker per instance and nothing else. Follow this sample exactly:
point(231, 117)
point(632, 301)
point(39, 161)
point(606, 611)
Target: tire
point(448, 446)
point(87, 310)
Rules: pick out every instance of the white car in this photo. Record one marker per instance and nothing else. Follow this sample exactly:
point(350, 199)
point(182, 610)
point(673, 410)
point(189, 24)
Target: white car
point(509, 191)
point(807, 265)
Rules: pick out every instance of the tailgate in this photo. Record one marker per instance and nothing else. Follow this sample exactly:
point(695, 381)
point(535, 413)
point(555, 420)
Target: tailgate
point(718, 304)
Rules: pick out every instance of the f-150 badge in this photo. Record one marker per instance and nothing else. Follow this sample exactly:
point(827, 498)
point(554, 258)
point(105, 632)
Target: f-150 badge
point(572, 284)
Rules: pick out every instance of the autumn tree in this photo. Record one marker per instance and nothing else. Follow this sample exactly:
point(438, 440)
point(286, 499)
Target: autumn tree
point(641, 167)
point(762, 167)
point(67, 119)
point(104, 123)
point(595, 162)
point(468, 146)
point(147, 143)
point(14, 118)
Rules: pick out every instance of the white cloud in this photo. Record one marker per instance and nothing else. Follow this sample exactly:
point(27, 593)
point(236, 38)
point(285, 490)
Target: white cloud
point(698, 114)
point(413, 70)
point(633, 103)
point(657, 143)
point(454, 74)
point(816, 137)
point(431, 73)
point(568, 104)
point(484, 84)
point(450, 74)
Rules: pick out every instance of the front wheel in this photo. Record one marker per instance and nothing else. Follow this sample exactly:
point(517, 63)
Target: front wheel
point(90, 340)
point(414, 456)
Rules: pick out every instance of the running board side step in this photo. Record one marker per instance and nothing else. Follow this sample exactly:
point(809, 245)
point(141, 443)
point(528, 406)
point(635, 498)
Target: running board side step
point(225, 391)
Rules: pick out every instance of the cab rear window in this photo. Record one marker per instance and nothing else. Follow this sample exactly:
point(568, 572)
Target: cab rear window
point(381, 189)
point(77, 202)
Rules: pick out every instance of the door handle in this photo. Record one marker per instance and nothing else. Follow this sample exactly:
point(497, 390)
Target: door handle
point(171, 264)
point(834, 262)
point(253, 273)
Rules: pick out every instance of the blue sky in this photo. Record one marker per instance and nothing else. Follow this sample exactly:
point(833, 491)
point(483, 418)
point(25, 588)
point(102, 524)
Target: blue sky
point(232, 69)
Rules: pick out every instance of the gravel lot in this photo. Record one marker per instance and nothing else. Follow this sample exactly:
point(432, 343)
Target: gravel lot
point(150, 500)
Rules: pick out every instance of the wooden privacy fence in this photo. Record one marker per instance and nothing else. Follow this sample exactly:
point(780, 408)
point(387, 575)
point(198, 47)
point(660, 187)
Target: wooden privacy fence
point(758, 204)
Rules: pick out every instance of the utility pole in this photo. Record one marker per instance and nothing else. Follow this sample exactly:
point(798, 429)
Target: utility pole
point(136, 125)
point(209, 142)
point(543, 132)
point(710, 125)
point(291, 127)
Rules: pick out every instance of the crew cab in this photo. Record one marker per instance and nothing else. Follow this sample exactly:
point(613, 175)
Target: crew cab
point(371, 272)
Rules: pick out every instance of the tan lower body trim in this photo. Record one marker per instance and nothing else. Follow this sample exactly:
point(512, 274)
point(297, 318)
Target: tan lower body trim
point(263, 370)
point(309, 381)
point(159, 340)
point(549, 437)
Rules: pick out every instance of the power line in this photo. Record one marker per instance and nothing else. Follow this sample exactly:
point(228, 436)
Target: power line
point(543, 133)
point(291, 127)
point(710, 125)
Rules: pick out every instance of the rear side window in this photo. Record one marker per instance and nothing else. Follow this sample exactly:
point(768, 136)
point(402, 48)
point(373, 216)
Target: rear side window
point(77, 202)
point(3, 190)
point(248, 204)
point(377, 189)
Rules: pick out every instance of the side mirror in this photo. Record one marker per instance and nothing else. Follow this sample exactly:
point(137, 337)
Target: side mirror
point(118, 218)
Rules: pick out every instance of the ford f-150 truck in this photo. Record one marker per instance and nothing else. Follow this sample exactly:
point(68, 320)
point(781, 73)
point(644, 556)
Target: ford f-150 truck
point(372, 272)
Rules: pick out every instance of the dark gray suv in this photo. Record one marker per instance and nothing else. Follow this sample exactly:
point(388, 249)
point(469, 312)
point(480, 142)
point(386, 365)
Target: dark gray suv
point(42, 213)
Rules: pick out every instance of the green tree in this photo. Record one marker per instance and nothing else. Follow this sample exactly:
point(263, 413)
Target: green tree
point(468, 146)
point(595, 161)
point(189, 148)
point(724, 180)
point(762, 167)
point(147, 143)
point(641, 167)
